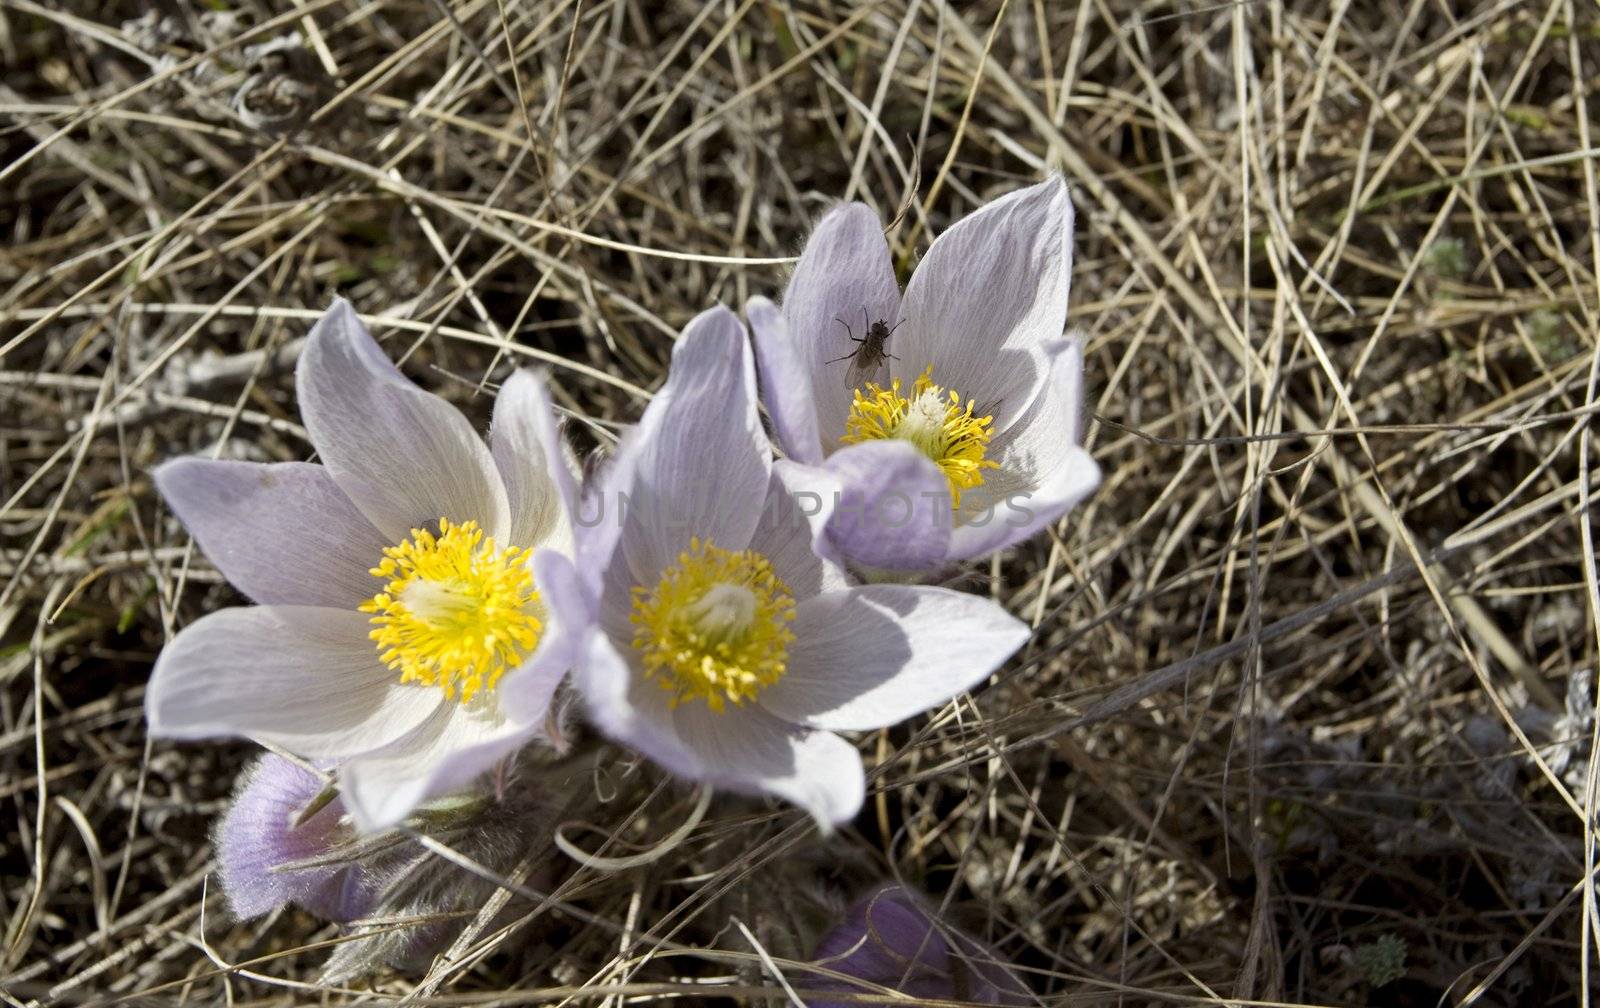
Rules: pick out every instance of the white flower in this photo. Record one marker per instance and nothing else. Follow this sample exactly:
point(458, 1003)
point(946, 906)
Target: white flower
point(962, 435)
point(709, 633)
point(396, 602)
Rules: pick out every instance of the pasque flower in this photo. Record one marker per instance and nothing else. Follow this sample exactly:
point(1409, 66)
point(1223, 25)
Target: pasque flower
point(284, 840)
point(397, 608)
point(951, 415)
point(271, 852)
point(890, 938)
point(709, 628)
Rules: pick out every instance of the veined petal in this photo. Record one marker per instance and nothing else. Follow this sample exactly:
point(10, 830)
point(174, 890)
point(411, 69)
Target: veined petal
point(1043, 472)
point(989, 296)
point(894, 510)
point(403, 456)
point(455, 746)
point(698, 463)
point(303, 678)
point(785, 383)
point(280, 533)
point(746, 749)
point(259, 834)
point(793, 535)
point(631, 710)
point(525, 693)
point(870, 657)
point(843, 283)
point(533, 465)
point(1066, 388)
point(602, 509)
point(1021, 516)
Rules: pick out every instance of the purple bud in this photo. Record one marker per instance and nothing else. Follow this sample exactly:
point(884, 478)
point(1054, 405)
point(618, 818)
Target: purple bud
point(890, 938)
point(258, 836)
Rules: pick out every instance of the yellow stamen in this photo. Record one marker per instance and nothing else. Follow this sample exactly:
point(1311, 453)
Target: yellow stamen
point(934, 420)
point(455, 612)
point(715, 627)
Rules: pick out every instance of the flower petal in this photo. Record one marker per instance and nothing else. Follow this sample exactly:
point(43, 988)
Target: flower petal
point(988, 297)
point(748, 750)
point(869, 657)
point(602, 508)
point(303, 678)
point(280, 533)
point(792, 534)
point(1066, 388)
point(698, 463)
point(631, 710)
point(455, 746)
point(843, 283)
point(891, 938)
point(1021, 516)
point(894, 511)
point(1043, 472)
point(532, 461)
point(785, 383)
point(405, 457)
point(259, 835)
point(525, 692)
point(886, 939)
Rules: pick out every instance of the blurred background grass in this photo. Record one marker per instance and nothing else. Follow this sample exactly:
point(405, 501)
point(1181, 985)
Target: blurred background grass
point(1308, 714)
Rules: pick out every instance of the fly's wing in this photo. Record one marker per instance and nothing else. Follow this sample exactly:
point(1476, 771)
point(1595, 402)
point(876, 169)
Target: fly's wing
point(866, 365)
point(855, 374)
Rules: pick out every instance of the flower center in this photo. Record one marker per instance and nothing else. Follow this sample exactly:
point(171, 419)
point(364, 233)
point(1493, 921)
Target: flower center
point(455, 612)
point(933, 419)
point(715, 627)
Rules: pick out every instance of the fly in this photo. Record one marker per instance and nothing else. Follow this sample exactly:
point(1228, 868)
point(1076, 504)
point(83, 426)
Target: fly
point(870, 354)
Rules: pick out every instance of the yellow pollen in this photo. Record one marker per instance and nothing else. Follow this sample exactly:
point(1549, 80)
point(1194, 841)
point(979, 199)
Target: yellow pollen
point(715, 627)
point(454, 612)
point(934, 420)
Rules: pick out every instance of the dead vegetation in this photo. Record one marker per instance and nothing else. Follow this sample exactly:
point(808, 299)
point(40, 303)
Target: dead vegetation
point(1308, 714)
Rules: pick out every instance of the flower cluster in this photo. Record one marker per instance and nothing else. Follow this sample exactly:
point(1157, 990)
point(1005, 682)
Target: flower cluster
point(422, 595)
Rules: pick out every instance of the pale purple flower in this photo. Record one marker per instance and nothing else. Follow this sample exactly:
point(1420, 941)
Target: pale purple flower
point(261, 835)
point(962, 436)
point(396, 609)
point(890, 938)
point(709, 633)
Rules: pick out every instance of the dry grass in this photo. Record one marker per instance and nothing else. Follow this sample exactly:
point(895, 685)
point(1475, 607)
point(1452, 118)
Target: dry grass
point(1303, 667)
